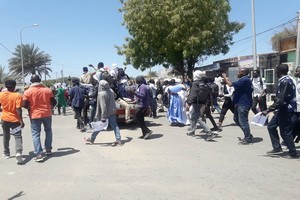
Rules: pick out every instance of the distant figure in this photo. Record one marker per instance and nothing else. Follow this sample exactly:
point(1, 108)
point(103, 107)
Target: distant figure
point(77, 95)
point(215, 94)
point(61, 100)
point(153, 102)
point(175, 110)
point(11, 103)
point(114, 71)
point(218, 80)
point(159, 96)
point(227, 104)
point(86, 77)
point(259, 93)
point(97, 75)
point(38, 99)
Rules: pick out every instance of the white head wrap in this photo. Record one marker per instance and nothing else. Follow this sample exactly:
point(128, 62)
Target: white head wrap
point(198, 74)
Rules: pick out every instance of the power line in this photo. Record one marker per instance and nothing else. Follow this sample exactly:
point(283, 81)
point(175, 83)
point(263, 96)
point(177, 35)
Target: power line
point(6, 48)
point(271, 29)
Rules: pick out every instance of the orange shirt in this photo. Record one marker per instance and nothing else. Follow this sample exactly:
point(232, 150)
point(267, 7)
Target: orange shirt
point(10, 101)
point(39, 101)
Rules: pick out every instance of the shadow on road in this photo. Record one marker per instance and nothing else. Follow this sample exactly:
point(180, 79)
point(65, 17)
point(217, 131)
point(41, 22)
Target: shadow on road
point(232, 124)
point(205, 136)
point(254, 139)
point(16, 195)
point(59, 153)
point(151, 124)
point(155, 136)
point(131, 126)
point(109, 144)
point(28, 157)
point(64, 152)
point(257, 139)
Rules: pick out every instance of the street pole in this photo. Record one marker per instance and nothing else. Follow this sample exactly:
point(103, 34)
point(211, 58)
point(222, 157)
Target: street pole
point(253, 37)
point(21, 49)
point(298, 43)
point(45, 70)
point(62, 74)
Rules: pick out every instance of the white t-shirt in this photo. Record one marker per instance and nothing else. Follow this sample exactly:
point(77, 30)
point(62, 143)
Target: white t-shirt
point(258, 86)
point(218, 81)
point(153, 89)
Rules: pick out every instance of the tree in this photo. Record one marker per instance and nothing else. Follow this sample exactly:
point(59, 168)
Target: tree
point(3, 75)
point(152, 74)
point(176, 33)
point(34, 61)
point(287, 32)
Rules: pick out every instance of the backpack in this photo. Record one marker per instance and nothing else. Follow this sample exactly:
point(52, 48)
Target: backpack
point(203, 92)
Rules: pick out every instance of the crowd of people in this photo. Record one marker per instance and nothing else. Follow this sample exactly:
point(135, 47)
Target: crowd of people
point(95, 97)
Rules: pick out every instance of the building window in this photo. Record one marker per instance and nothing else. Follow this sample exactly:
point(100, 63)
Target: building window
point(269, 76)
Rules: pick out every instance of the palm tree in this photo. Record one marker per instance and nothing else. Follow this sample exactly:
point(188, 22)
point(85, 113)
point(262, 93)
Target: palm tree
point(3, 75)
point(34, 61)
point(152, 74)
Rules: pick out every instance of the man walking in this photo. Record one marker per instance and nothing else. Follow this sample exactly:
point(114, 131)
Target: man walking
point(38, 99)
point(259, 93)
point(153, 102)
point(286, 105)
point(142, 105)
point(199, 95)
point(242, 100)
point(61, 100)
point(77, 95)
point(106, 110)
point(227, 104)
point(11, 103)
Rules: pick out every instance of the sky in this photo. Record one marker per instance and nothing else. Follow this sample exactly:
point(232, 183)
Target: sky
point(76, 33)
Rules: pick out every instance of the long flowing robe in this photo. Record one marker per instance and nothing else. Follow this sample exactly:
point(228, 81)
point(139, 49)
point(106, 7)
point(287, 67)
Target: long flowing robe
point(175, 114)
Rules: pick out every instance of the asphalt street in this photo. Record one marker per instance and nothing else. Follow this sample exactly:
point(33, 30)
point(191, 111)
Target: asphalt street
point(168, 166)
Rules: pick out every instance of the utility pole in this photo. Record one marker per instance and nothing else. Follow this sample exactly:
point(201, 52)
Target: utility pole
point(45, 70)
point(298, 42)
point(55, 77)
point(62, 74)
point(253, 37)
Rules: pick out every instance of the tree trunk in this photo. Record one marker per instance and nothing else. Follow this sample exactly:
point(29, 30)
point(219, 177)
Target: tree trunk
point(191, 66)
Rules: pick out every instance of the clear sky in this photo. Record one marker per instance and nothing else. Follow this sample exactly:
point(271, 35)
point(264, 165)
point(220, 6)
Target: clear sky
point(76, 33)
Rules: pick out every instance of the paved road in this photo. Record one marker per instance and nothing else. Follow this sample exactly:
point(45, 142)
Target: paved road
point(170, 165)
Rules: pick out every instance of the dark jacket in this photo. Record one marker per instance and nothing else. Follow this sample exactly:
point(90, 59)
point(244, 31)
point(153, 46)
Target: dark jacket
point(243, 92)
point(77, 95)
point(194, 97)
point(285, 100)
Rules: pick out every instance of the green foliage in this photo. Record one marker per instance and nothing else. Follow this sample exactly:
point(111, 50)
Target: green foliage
point(287, 32)
point(175, 33)
point(152, 74)
point(3, 75)
point(34, 61)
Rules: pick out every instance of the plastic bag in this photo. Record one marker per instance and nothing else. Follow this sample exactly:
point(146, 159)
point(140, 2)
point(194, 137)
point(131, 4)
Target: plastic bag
point(99, 125)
